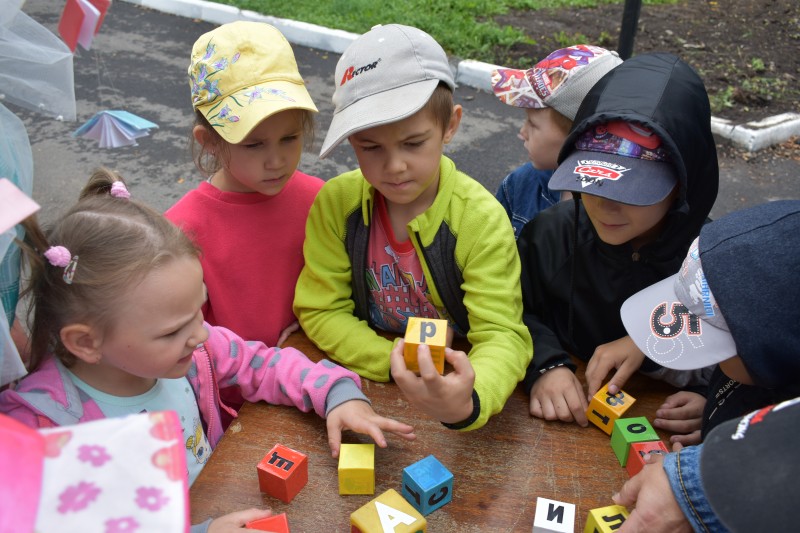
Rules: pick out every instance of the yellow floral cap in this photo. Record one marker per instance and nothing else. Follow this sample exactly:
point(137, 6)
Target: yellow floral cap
point(240, 74)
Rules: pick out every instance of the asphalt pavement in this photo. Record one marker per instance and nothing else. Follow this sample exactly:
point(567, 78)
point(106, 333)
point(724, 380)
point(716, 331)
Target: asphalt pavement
point(138, 63)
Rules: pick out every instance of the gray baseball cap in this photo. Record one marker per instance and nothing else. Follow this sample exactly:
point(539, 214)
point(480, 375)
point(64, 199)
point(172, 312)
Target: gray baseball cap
point(386, 75)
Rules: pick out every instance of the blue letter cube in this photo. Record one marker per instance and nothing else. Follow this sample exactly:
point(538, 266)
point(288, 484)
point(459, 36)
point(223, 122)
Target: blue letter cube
point(427, 485)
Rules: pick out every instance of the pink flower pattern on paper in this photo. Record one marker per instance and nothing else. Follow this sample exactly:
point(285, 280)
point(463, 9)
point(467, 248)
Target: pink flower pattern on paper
point(77, 497)
point(96, 455)
point(121, 525)
point(150, 498)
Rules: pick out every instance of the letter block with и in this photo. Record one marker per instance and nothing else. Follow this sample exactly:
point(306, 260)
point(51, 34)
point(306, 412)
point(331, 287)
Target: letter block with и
point(638, 450)
point(553, 517)
point(605, 519)
point(430, 331)
point(605, 408)
point(388, 513)
point(427, 485)
point(357, 469)
point(626, 432)
point(282, 473)
point(276, 524)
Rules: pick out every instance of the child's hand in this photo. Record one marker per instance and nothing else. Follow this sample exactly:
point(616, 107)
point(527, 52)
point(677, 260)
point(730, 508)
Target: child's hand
point(558, 395)
point(621, 354)
point(682, 413)
point(358, 416)
point(234, 522)
point(656, 509)
point(444, 398)
point(291, 328)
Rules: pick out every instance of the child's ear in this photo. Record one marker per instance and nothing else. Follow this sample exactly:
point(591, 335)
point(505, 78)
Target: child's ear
point(452, 127)
point(82, 341)
point(201, 135)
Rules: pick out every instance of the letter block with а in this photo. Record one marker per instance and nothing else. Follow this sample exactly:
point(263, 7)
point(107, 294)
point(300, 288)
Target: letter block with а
point(638, 451)
point(282, 473)
point(553, 517)
point(388, 513)
point(357, 469)
point(430, 331)
point(605, 519)
point(605, 408)
point(427, 485)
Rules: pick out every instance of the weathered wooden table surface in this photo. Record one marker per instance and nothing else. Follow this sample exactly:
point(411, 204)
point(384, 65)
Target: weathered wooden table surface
point(499, 470)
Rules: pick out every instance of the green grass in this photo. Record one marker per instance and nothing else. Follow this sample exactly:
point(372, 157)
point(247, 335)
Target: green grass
point(464, 28)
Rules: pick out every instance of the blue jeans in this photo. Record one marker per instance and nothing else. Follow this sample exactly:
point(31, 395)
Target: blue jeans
point(524, 192)
point(683, 472)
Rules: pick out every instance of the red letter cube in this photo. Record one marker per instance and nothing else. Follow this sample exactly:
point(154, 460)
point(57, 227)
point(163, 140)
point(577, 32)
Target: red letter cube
point(282, 473)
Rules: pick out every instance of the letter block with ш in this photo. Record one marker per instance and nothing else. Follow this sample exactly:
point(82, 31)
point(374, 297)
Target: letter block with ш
point(388, 513)
point(606, 408)
point(429, 331)
point(357, 469)
point(639, 450)
point(427, 485)
point(605, 519)
point(553, 517)
point(282, 473)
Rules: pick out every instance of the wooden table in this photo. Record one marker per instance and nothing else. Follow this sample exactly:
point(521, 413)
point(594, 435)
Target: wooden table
point(499, 470)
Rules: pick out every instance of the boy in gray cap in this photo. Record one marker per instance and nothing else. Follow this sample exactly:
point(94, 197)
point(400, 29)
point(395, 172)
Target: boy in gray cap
point(407, 235)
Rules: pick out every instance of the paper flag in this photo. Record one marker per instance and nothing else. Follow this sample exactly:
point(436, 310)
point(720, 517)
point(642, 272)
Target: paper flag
point(115, 128)
point(15, 206)
point(81, 20)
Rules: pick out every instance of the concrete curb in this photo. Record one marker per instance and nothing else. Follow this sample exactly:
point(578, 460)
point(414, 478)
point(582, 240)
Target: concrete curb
point(752, 136)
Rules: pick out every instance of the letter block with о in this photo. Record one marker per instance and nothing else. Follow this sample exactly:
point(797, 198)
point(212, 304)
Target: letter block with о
point(357, 469)
point(282, 473)
point(388, 513)
point(276, 524)
point(553, 517)
point(605, 408)
point(430, 331)
point(605, 519)
point(427, 485)
point(638, 451)
point(626, 432)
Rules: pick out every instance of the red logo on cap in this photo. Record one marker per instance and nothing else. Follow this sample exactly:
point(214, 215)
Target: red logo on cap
point(596, 172)
point(351, 72)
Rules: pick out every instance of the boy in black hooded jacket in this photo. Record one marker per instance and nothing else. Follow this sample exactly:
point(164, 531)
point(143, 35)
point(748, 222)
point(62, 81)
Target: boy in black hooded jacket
point(642, 165)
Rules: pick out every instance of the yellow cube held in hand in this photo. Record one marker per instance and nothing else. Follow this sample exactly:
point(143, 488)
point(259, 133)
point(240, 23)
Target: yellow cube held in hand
point(605, 408)
point(605, 519)
point(430, 331)
point(357, 469)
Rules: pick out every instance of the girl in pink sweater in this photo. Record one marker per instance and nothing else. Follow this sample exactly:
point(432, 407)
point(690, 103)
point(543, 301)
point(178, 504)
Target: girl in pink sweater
point(117, 328)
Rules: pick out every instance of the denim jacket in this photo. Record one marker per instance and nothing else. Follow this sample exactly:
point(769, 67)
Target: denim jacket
point(524, 192)
point(683, 472)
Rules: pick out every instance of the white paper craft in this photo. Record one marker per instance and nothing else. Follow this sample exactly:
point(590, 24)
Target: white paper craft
point(115, 128)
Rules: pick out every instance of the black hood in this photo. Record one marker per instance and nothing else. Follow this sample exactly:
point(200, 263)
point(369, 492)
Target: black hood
point(665, 94)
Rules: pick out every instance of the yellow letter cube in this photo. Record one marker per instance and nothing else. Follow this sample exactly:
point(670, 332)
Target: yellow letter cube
point(430, 331)
point(388, 513)
point(605, 519)
point(605, 408)
point(357, 469)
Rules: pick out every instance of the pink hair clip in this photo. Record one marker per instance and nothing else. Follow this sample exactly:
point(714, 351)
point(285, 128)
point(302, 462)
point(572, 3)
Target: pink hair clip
point(119, 190)
point(59, 256)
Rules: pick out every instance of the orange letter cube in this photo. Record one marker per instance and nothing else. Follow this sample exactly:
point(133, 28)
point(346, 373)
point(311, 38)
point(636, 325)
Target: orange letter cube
point(389, 512)
point(430, 331)
point(276, 524)
point(605, 408)
point(638, 450)
point(282, 473)
point(605, 519)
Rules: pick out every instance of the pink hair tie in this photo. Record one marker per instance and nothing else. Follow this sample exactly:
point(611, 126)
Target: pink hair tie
point(59, 256)
point(119, 190)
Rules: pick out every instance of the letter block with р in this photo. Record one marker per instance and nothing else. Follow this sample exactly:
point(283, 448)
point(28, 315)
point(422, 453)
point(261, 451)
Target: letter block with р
point(605, 408)
point(388, 513)
point(638, 450)
point(553, 517)
point(276, 524)
point(626, 432)
point(430, 331)
point(357, 469)
point(282, 473)
point(605, 519)
point(427, 485)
